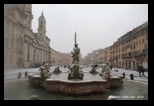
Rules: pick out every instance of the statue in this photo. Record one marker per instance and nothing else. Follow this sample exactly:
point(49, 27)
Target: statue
point(75, 53)
point(75, 69)
point(105, 72)
point(57, 70)
point(93, 70)
point(76, 72)
point(45, 73)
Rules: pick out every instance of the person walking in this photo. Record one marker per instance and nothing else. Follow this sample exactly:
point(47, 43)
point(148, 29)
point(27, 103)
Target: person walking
point(139, 69)
point(142, 71)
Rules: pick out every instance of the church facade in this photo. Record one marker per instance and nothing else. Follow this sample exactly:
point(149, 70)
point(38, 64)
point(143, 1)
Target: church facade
point(22, 47)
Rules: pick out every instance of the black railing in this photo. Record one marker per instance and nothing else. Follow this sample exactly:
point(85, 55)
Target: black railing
point(126, 57)
point(138, 56)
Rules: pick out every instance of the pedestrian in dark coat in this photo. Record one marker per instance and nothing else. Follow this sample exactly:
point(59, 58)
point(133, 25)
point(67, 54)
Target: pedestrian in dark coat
point(142, 71)
point(139, 69)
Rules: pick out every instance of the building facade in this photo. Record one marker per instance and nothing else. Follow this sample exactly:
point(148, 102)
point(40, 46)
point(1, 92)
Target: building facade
point(55, 57)
point(127, 52)
point(23, 47)
point(131, 49)
point(66, 59)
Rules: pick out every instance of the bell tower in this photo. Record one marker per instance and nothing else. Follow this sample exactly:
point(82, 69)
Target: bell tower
point(41, 27)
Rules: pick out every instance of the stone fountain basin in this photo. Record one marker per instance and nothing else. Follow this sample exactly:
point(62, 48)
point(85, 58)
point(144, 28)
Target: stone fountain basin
point(20, 89)
point(91, 83)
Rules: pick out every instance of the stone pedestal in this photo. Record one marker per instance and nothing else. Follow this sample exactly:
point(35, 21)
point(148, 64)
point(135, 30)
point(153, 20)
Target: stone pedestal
point(75, 73)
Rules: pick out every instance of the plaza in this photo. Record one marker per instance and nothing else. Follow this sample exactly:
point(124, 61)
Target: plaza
point(75, 52)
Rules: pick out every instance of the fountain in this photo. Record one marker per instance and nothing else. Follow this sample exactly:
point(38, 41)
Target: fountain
point(76, 83)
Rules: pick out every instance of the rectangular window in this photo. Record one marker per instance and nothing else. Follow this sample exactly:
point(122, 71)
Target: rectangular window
point(130, 54)
point(146, 47)
point(139, 41)
point(142, 40)
point(130, 46)
point(136, 43)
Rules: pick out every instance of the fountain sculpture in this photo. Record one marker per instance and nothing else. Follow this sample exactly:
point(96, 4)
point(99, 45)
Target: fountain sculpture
point(93, 70)
point(76, 83)
point(76, 72)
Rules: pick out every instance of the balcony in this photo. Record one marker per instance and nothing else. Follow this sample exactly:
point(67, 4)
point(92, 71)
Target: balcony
point(127, 57)
point(139, 56)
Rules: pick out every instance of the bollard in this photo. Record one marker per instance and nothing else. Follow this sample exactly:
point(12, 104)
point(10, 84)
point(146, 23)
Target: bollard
point(19, 75)
point(26, 73)
point(116, 70)
point(123, 75)
point(131, 76)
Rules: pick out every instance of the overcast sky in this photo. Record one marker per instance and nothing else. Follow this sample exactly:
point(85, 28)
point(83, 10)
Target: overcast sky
point(96, 25)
